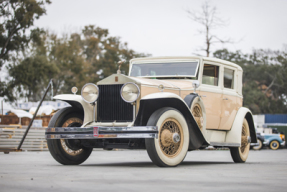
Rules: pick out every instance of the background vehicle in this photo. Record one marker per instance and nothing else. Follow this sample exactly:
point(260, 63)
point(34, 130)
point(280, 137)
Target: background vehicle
point(259, 144)
point(166, 105)
point(274, 141)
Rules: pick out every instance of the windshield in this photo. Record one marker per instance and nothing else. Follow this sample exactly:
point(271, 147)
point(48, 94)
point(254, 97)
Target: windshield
point(174, 69)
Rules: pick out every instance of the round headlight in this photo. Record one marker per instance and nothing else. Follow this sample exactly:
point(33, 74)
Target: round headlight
point(90, 93)
point(130, 92)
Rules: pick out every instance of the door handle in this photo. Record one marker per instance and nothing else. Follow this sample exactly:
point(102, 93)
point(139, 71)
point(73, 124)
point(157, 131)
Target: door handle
point(225, 98)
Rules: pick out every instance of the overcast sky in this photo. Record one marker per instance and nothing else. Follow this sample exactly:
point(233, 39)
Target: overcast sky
point(163, 28)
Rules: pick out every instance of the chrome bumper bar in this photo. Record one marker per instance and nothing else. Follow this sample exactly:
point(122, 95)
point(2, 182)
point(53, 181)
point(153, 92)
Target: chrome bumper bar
point(101, 132)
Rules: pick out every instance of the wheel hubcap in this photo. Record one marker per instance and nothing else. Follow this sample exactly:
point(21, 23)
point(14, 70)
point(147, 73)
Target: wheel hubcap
point(176, 138)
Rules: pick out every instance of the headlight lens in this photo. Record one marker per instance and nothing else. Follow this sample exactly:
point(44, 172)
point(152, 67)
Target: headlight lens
point(130, 92)
point(90, 93)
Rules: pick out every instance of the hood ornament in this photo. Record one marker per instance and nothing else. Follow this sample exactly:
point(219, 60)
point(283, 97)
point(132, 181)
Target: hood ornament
point(120, 64)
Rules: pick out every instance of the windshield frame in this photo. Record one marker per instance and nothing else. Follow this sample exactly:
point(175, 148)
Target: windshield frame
point(166, 61)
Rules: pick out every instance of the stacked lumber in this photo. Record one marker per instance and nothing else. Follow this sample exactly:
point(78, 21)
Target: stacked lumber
point(10, 137)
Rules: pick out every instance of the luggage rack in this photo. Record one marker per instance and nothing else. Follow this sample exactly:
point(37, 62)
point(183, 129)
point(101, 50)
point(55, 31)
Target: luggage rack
point(18, 149)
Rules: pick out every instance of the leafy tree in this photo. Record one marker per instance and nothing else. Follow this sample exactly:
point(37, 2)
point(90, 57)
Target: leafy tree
point(16, 17)
point(70, 60)
point(103, 52)
point(30, 76)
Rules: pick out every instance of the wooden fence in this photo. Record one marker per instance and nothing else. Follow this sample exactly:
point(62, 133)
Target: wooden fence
point(10, 137)
point(13, 119)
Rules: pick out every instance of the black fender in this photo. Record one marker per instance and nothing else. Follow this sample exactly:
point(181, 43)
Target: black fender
point(149, 106)
point(252, 129)
point(189, 99)
point(76, 105)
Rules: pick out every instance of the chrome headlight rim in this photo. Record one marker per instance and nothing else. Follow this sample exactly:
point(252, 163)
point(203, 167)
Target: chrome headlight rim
point(95, 87)
point(137, 94)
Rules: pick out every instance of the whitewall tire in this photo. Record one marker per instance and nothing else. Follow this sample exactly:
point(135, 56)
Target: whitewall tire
point(171, 146)
point(240, 154)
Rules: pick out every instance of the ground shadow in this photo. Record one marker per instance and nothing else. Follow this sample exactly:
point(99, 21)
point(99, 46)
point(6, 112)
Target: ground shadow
point(150, 164)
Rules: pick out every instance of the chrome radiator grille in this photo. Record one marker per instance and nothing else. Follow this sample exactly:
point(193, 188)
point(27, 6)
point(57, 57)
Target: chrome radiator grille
point(111, 107)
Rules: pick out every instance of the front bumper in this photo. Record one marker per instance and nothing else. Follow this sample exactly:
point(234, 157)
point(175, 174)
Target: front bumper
point(101, 132)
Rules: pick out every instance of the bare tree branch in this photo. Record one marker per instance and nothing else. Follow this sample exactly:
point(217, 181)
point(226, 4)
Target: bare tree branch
point(209, 19)
point(271, 84)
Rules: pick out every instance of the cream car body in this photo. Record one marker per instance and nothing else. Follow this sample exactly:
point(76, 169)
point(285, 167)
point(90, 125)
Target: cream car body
point(219, 96)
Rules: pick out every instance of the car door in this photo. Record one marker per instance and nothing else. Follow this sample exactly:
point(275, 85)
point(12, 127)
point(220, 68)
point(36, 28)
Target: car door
point(211, 93)
point(229, 104)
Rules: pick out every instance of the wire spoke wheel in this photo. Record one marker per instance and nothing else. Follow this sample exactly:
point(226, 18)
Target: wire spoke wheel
point(169, 128)
point(244, 139)
point(170, 148)
point(240, 154)
point(71, 122)
point(198, 115)
point(68, 151)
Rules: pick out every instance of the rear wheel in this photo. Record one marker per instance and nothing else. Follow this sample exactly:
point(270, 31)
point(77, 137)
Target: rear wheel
point(240, 154)
point(68, 151)
point(171, 146)
point(274, 145)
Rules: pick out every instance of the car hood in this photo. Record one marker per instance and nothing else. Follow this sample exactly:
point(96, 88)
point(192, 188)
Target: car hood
point(168, 83)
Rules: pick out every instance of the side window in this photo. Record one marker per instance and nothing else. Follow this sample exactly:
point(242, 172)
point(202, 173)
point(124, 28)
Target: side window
point(210, 74)
point(228, 78)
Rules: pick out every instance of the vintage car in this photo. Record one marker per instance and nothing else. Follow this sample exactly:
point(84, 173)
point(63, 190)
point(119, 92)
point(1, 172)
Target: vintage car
point(259, 144)
point(166, 105)
point(274, 141)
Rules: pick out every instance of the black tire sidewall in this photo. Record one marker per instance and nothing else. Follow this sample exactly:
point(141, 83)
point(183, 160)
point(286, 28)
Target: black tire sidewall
point(55, 146)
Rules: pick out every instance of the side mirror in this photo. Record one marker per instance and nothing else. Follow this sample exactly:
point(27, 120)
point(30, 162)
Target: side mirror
point(195, 85)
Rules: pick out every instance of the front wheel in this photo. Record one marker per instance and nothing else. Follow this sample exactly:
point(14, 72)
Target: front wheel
point(171, 146)
point(259, 146)
point(240, 154)
point(68, 151)
point(274, 145)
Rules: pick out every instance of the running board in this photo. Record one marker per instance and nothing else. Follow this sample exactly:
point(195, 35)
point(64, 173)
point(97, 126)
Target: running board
point(219, 144)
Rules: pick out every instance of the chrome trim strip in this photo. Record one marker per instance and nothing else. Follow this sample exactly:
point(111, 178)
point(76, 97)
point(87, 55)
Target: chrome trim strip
point(102, 132)
point(105, 129)
point(225, 144)
point(101, 136)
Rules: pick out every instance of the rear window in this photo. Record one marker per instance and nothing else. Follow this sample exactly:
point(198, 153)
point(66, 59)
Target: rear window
point(228, 78)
